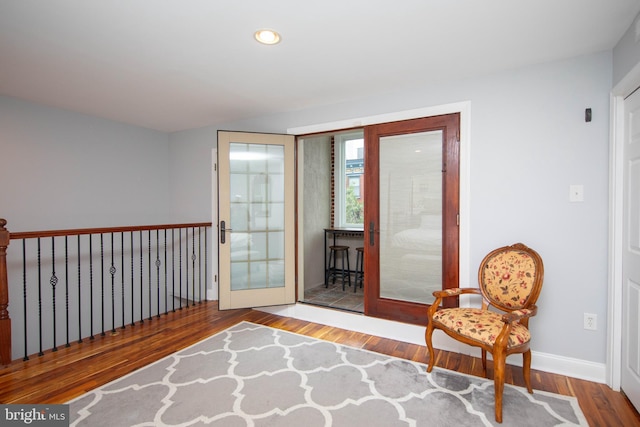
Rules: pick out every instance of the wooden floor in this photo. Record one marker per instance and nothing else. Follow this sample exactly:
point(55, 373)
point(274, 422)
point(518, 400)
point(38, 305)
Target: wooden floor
point(58, 377)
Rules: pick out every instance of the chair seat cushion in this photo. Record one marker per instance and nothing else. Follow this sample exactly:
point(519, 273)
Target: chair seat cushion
point(480, 325)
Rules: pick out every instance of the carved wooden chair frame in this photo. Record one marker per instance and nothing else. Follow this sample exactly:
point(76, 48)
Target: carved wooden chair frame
point(510, 280)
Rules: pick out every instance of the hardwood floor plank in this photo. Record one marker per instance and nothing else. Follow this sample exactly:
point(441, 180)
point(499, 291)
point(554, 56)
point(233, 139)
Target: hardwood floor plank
point(58, 377)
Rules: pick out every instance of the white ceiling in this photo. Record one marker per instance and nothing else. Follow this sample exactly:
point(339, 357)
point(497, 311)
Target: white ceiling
point(179, 64)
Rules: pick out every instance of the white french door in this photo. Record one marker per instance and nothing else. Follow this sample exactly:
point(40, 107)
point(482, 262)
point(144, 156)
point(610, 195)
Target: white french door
point(256, 219)
point(630, 378)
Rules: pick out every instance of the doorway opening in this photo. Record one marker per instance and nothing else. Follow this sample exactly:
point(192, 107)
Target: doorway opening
point(386, 194)
point(331, 182)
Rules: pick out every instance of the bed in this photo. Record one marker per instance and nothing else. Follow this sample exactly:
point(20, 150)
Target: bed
point(427, 238)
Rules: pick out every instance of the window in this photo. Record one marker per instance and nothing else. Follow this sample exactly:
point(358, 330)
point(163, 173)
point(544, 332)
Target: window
point(349, 177)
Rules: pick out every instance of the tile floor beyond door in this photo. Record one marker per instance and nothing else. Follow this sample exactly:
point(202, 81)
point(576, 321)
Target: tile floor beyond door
point(333, 296)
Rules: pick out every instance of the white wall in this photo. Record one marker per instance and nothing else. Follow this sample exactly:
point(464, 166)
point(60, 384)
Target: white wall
point(529, 142)
point(60, 169)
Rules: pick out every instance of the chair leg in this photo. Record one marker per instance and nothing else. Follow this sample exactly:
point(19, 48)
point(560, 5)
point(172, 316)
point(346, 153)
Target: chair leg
point(427, 337)
point(359, 276)
point(327, 273)
point(356, 277)
point(348, 268)
point(499, 360)
point(484, 362)
point(345, 254)
point(526, 369)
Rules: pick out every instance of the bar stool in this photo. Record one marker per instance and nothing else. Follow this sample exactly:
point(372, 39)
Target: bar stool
point(332, 272)
point(359, 276)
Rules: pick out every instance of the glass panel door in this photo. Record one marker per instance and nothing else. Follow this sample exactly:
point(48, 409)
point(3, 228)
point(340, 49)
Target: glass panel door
point(411, 215)
point(256, 230)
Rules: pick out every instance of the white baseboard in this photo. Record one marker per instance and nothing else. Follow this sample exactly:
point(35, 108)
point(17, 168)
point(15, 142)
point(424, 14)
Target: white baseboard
point(570, 367)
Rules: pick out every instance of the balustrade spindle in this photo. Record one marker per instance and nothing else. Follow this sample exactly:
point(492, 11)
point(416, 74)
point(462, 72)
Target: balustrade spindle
point(149, 268)
point(79, 292)
point(206, 260)
point(166, 308)
point(122, 299)
point(173, 270)
point(158, 272)
point(24, 296)
point(91, 284)
point(193, 265)
point(180, 265)
point(141, 282)
point(66, 288)
point(113, 271)
point(102, 284)
point(133, 317)
point(53, 281)
point(40, 353)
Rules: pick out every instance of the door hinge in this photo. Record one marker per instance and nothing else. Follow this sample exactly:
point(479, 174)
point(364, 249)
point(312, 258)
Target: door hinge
point(458, 220)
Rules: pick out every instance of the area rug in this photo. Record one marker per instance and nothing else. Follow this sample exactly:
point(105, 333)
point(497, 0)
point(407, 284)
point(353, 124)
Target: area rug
point(253, 375)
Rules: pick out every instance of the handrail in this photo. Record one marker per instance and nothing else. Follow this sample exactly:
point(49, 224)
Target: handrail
point(6, 237)
point(82, 231)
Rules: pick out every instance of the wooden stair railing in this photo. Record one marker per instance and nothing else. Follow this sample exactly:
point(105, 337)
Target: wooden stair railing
point(6, 237)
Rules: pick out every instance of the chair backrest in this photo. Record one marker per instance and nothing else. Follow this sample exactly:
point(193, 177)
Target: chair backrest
point(510, 277)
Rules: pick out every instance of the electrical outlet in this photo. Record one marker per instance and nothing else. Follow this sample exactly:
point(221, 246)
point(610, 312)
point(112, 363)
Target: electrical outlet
point(590, 321)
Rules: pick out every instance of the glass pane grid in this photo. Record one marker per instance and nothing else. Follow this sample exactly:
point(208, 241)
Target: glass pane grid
point(257, 216)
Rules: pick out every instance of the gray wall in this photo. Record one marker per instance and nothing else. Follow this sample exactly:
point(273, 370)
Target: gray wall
point(317, 206)
point(529, 142)
point(60, 169)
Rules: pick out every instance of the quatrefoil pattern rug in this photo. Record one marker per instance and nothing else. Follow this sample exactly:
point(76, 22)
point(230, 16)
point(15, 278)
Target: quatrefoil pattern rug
point(253, 375)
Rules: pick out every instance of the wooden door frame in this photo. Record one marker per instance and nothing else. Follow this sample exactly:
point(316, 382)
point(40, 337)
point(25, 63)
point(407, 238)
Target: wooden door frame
point(467, 272)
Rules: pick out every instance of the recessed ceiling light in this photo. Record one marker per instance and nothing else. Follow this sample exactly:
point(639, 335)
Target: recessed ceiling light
point(267, 36)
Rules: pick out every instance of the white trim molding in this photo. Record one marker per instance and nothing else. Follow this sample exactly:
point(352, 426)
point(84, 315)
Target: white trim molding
point(212, 293)
point(614, 303)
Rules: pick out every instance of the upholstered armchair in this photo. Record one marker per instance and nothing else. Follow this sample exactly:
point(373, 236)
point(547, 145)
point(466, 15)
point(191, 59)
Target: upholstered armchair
point(510, 279)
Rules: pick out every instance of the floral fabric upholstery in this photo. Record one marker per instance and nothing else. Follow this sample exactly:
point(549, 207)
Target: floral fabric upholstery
point(480, 325)
point(507, 279)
